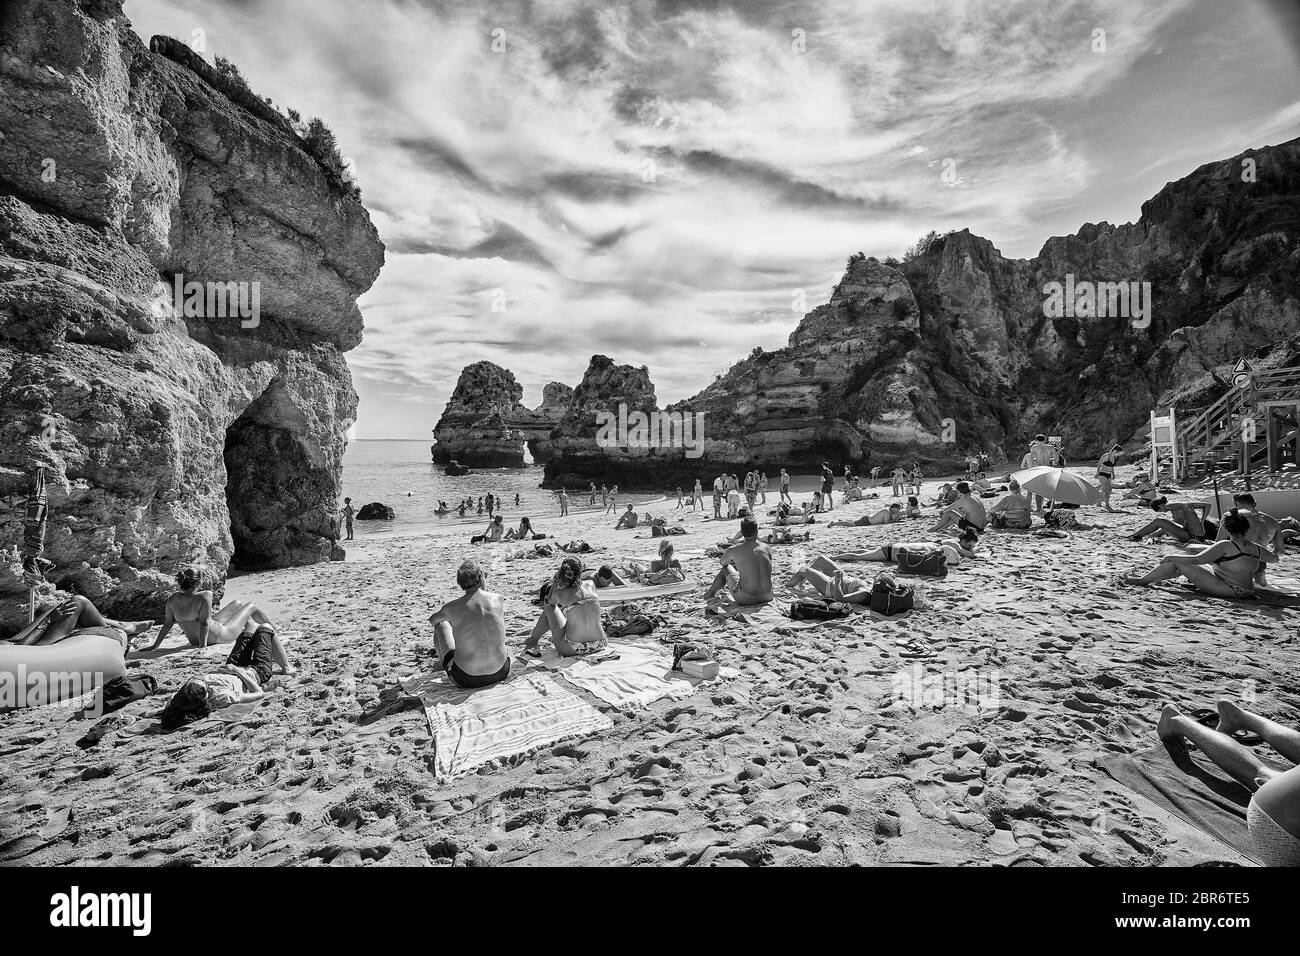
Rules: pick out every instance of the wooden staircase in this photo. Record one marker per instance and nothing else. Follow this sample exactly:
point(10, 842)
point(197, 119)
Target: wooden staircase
point(1209, 440)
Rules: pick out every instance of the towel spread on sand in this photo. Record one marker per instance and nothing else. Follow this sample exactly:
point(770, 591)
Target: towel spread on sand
point(641, 675)
point(472, 727)
point(1188, 785)
point(641, 592)
point(767, 617)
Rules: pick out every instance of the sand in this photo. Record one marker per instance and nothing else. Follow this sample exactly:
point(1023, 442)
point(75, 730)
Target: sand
point(804, 757)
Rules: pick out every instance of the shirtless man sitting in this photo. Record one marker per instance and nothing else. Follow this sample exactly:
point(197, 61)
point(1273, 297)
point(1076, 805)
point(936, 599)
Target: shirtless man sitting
point(628, 519)
point(965, 512)
point(469, 632)
point(1187, 521)
point(746, 569)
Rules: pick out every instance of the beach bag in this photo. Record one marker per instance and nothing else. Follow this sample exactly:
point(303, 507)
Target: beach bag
point(637, 624)
point(890, 597)
point(998, 520)
point(933, 563)
point(1061, 519)
point(811, 609)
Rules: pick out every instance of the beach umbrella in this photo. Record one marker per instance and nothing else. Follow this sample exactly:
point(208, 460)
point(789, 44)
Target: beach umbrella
point(34, 541)
point(1059, 485)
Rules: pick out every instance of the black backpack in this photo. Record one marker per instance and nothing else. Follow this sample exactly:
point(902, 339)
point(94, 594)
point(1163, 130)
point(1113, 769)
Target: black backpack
point(812, 609)
point(890, 597)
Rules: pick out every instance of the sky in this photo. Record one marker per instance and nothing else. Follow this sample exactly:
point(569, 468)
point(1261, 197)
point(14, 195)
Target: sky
point(672, 183)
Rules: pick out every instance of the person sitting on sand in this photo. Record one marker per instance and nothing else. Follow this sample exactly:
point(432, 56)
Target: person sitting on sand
point(571, 615)
point(665, 569)
point(1187, 521)
point(884, 516)
point(524, 533)
point(913, 507)
point(191, 610)
point(947, 495)
point(240, 680)
point(469, 632)
point(1225, 569)
point(965, 512)
point(1273, 814)
point(981, 484)
point(1142, 489)
point(494, 532)
point(1264, 530)
point(1012, 510)
point(954, 549)
point(75, 616)
point(746, 569)
point(628, 519)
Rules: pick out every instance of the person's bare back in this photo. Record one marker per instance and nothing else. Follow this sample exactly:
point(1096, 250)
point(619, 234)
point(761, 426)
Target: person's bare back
point(478, 622)
point(753, 562)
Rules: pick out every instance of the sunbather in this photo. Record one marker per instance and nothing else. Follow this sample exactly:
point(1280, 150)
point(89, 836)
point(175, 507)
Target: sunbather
point(469, 632)
point(75, 615)
point(1187, 521)
point(604, 577)
point(493, 533)
point(1225, 569)
point(191, 610)
point(954, 550)
point(665, 569)
point(571, 614)
point(628, 519)
point(1012, 510)
point(785, 536)
point(524, 533)
point(884, 516)
point(746, 569)
point(966, 512)
point(1264, 529)
point(1273, 815)
point(831, 581)
point(240, 680)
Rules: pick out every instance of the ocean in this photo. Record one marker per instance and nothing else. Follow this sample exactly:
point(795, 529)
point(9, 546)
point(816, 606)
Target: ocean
point(399, 474)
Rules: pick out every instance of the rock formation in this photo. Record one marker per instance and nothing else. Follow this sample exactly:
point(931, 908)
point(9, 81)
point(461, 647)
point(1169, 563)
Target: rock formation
point(376, 511)
point(170, 437)
point(951, 350)
point(485, 426)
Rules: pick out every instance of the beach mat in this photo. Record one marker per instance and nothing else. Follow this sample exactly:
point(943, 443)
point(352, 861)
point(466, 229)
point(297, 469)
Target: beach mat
point(1188, 785)
point(473, 727)
point(640, 675)
point(768, 617)
point(643, 592)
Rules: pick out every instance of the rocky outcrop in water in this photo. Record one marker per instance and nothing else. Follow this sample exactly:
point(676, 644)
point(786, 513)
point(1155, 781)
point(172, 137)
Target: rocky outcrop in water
point(194, 435)
point(484, 425)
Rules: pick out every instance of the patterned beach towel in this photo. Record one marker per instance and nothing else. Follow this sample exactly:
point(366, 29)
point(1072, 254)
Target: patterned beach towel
point(473, 727)
point(640, 675)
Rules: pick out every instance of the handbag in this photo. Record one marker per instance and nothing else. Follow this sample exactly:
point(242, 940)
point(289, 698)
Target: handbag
point(933, 563)
point(889, 597)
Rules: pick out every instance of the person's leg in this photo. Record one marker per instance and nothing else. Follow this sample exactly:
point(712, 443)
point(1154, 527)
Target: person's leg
point(823, 564)
point(1239, 762)
point(1207, 582)
point(1163, 526)
point(820, 581)
point(1285, 740)
point(947, 519)
point(875, 554)
point(1161, 572)
point(34, 631)
point(278, 655)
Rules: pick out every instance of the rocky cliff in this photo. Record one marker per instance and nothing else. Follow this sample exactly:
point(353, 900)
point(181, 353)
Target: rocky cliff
point(484, 425)
point(176, 426)
point(952, 350)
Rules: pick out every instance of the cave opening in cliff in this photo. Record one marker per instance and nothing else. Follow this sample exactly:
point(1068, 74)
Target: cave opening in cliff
point(279, 499)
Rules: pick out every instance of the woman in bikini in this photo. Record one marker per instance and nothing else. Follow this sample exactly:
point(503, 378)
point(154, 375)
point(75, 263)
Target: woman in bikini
point(73, 616)
point(1225, 569)
point(571, 615)
point(1106, 474)
point(191, 610)
point(524, 533)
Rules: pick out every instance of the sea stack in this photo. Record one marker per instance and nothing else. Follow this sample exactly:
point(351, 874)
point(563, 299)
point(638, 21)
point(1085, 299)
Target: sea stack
point(172, 435)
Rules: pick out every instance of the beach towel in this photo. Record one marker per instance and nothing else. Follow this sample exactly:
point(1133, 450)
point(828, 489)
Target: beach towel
point(1265, 596)
point(640, 675)
point(643, 592)
point(473, 727)
point(767, 617)
point(1187, 784)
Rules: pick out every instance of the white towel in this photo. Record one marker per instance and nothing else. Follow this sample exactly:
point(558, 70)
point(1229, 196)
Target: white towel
point(472, 727)
point(641, 675)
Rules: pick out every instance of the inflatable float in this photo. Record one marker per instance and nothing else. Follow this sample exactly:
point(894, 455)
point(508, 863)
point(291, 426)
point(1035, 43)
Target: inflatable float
point(35, 675)
point(1278, 503)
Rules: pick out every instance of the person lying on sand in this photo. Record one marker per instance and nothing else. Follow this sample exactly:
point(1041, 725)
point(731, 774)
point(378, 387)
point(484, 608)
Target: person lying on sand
point(576, 547)
point(1142, 489)
point(785, 536)
point(469, 632)
point(1225, 569)
point(604, 577)
point(965, 512)
point(571, 614)
point(832, 582)
point(884, 516)
point(494, 532)
point(73, 616)
point(746, 569)
point(191, 610)
point(787, 516)
point(628, 519)
point(240, 680)
point(1013, 509)
point(1187, 521)
point(954, 549)
point(1273, 815)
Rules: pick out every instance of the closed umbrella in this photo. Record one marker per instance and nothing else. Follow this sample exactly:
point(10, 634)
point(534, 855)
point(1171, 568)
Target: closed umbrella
point(34, 541)
point(1059, 485)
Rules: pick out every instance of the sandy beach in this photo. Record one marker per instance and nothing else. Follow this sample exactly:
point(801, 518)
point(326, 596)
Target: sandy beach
point(804, 755)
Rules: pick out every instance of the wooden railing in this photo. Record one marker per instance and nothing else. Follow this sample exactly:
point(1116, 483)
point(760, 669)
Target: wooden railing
point(1209, 431)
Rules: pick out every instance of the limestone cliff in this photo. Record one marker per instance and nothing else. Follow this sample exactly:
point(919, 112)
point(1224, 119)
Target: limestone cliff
point(484, 425)
point(169, 437)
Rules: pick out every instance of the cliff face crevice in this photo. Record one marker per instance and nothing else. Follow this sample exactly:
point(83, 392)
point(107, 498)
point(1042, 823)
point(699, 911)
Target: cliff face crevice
point(169, 437)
